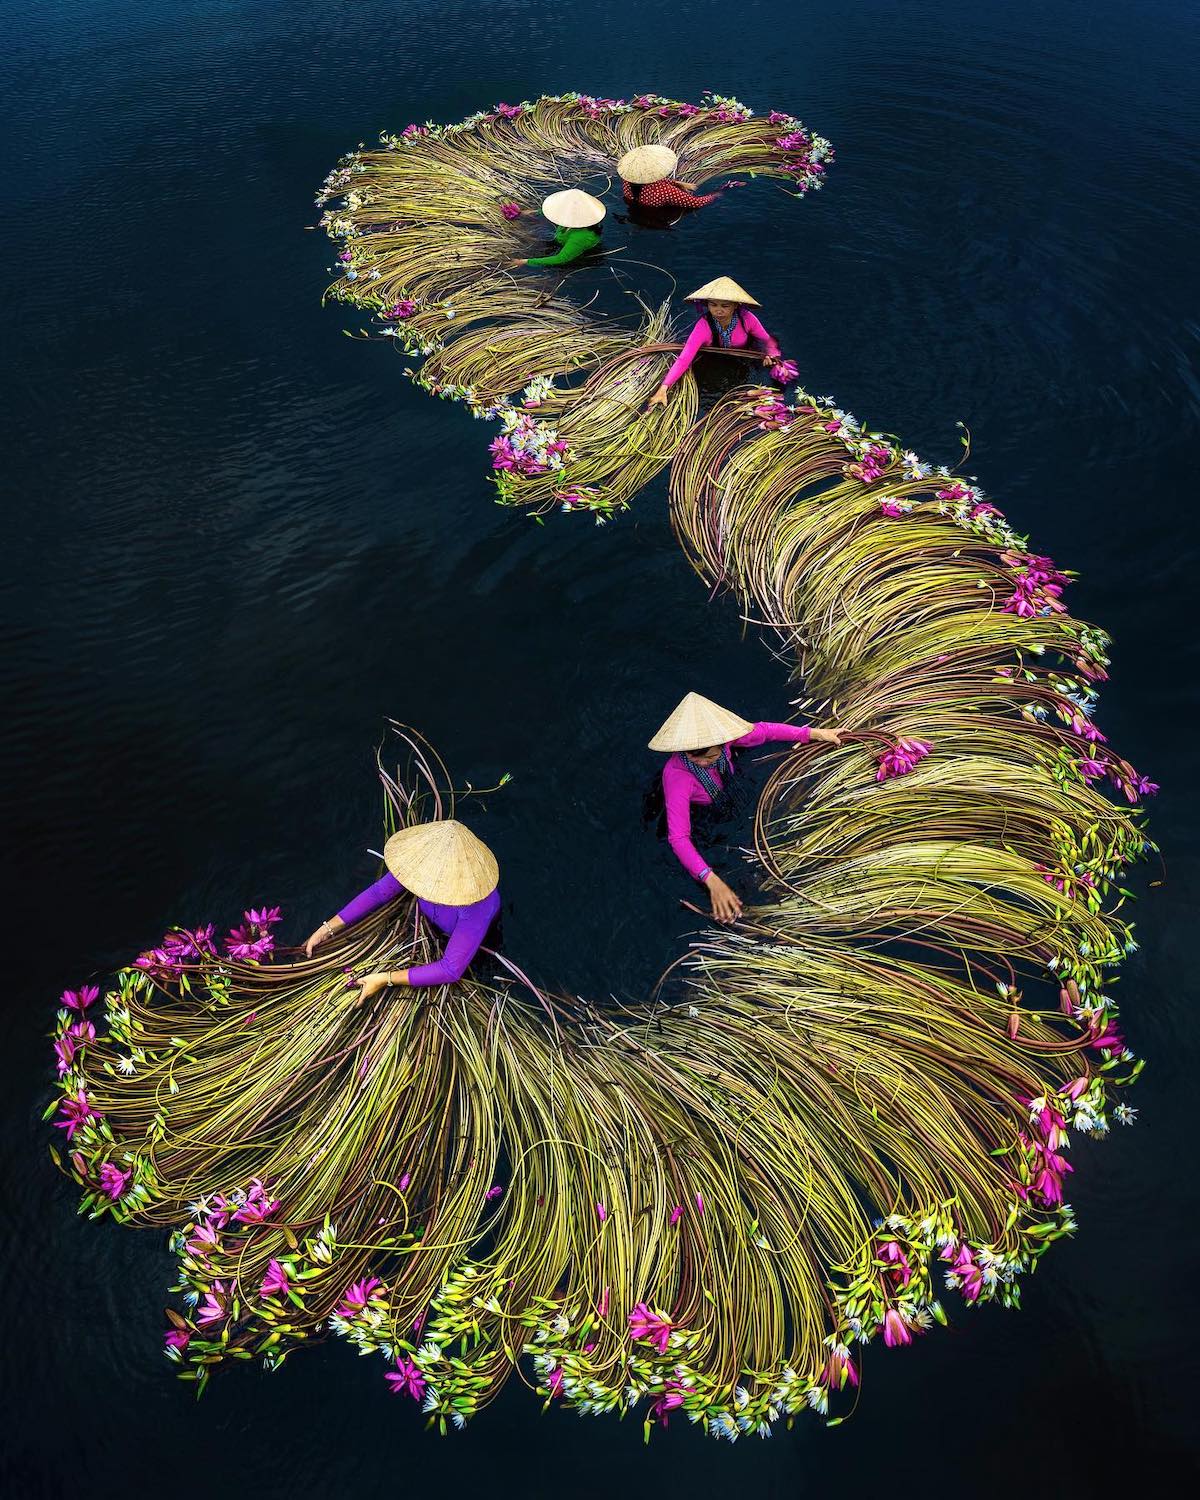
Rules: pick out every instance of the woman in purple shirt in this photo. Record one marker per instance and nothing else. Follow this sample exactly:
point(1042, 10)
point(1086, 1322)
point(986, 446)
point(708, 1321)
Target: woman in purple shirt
point(703, 736)
point(455, 880)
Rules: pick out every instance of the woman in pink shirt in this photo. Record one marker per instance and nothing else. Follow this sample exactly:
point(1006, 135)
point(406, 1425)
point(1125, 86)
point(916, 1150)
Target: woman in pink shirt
point(725, 322)
point(703, 736)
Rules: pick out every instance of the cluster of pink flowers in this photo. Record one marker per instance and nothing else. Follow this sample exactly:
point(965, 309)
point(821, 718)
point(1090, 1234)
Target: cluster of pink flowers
point(176, 951)
point(595, 108)
point(966, 1270)
point(77, 1035)
point(407, 1379)
point(1037, 587)
point(524, 449)
point(1047, 1168)
point(892, 508)
point(413, 132)
point(76, 1111)
point(176, 1340)
point(510, 111)
point(511, 210)
point(772, 409)
point(1107, 1038)
point(205, 1238)
point(901, 757)
point(113, 1181)
point(794, 140)
point(785, 370)
point(873, 460)
point(648, 1327)
point(402, 309)
point(257, 1206)
point(252, 941)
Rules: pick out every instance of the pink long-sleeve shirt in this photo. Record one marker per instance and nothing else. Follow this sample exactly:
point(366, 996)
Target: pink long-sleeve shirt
point(465, 926)
point(746, 326)
point(681, 789)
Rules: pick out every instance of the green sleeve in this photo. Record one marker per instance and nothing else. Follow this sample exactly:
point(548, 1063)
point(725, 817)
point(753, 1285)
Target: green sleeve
point(577, 242)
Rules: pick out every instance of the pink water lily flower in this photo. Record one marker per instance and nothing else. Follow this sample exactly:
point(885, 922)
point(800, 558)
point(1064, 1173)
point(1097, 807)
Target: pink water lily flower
point(840, 1371)
point(113, 1181)
point(676, 1214)
point(407, 1379)
point(64, 1052)
point(897, 1262)
point(901, 758)
point(510, 111)
point(275, 1282)
point(177, 1338)
point(673, 1397)
point(511, 210)
point(649, 1327)
point(76, 1112)
point(554, 1381)
point(785, 370)
point(895, 1330)
point(892, 508)
point(213, 1308)
point(80, 999)
point(495, 1191)
point(205, 1237)
point(257, 1206)
point(601, 1212)
point(356, 1296)
point(81, 1031)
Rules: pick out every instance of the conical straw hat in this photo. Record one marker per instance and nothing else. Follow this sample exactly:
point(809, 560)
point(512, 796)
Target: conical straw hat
point(442, 862)
point(647, 164)
point(723, 289)
point(573, 209)
point(698, 723)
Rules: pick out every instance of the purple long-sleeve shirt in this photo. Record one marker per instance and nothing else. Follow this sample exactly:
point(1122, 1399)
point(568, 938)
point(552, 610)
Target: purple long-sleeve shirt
point(681, 789)
point(465, 926)
point(745, 327)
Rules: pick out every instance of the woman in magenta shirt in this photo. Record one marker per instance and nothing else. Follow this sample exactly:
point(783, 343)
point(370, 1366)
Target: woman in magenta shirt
point(703, 736)
point(726, 322)
point(455, 879)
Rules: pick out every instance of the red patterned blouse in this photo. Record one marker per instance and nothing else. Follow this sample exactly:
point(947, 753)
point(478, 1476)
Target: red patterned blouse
point(667, 194)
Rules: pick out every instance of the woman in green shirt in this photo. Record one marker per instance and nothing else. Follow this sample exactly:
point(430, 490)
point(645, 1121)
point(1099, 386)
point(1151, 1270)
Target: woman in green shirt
point(576, 216)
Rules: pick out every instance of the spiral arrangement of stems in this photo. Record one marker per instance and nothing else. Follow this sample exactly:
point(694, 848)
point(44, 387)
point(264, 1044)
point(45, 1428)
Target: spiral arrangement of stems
point(425, 246)
point(702, 1204)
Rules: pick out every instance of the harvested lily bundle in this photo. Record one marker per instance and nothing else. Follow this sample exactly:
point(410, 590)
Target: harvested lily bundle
point(428, 224)
point(699, 1207)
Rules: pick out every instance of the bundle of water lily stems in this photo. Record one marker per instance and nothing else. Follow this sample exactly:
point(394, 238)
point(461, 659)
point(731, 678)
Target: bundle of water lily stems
point(702, 1204)
point(429, 225)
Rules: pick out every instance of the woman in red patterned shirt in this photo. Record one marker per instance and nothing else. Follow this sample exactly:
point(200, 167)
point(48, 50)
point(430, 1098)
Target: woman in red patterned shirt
point(646, 173)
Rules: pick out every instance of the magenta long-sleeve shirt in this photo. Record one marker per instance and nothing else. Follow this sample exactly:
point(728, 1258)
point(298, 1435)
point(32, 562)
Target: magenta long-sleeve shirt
point(465, 926)
point(745, 327)
point(681, 789)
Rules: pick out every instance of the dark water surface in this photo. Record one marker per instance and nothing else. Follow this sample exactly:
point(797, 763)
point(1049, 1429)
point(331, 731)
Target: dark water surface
point(236, 540)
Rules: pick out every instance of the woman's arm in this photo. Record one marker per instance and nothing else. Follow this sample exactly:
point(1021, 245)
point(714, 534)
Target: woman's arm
point(797, 734)
point(683, 362)
point(577, 242)
point(756, 330)
point(680, 195)
point(385, 889)
point(679, 827)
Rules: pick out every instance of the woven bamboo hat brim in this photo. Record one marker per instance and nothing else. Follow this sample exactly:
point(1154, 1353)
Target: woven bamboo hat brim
point(647, 164)
point(573, 209)
point(442, 862)
point(698, 723)
point(723, 289)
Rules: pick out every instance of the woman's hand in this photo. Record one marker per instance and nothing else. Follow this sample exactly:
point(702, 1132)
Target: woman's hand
point(826, 736)
point(371, 984)
point(688, 186)
point(316, 940)
point(769, 359)
point(726, 903)
point(659, 398)
point(515, 265)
